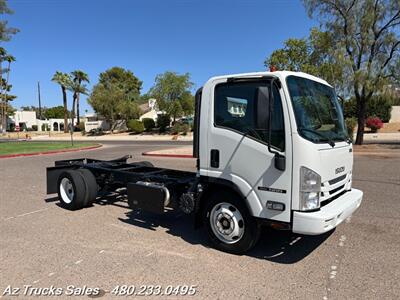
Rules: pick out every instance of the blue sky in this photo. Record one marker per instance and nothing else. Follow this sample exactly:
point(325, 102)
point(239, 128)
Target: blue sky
point(205, 38)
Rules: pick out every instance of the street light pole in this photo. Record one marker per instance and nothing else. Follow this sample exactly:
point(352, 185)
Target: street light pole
point(40, 104)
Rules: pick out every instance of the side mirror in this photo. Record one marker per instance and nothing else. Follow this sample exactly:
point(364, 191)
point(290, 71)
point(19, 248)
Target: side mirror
point(280, 162)
point(262, 107)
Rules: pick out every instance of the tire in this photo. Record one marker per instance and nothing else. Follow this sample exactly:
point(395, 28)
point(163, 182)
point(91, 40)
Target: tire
point(144, 163)
point(229, 225)
point(90, 185)
point(71, 190)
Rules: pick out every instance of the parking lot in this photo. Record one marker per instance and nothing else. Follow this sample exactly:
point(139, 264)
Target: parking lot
point(106, 245)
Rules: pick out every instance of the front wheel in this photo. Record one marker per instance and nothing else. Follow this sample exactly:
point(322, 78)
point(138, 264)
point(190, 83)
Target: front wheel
point(230, 227)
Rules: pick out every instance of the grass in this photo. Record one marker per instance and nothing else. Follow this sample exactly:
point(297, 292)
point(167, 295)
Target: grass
point(25, 147)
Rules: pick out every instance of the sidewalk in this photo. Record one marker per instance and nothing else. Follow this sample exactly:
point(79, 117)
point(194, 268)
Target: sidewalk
point(179, 152)
point(380, 137)
point(114, 137)
point(369, 150)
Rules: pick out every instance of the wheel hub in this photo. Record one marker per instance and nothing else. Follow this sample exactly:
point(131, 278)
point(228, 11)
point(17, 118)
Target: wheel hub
point(227, 223)
point(66, 190)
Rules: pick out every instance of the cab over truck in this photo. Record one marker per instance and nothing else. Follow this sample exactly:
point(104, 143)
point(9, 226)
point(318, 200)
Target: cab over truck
point(271, 147)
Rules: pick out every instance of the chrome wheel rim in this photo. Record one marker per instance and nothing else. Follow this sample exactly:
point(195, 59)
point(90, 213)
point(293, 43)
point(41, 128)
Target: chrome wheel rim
point(227, 223)
point(66, 190)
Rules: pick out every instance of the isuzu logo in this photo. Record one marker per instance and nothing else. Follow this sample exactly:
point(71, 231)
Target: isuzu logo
point(339, 170)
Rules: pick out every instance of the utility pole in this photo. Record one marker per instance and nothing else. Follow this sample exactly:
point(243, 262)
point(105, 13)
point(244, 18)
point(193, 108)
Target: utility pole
point(40, 103)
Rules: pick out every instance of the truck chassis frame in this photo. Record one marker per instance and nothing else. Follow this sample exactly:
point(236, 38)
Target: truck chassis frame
point(148, 187)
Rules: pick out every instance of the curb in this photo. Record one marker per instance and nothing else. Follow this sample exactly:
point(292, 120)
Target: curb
point(49, 152)
point(167, 155)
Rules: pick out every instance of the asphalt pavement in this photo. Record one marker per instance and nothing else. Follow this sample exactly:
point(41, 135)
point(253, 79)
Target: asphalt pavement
point(106, 246)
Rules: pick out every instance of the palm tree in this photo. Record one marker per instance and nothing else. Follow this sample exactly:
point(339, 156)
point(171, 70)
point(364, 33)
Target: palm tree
point(79, 77)
point(4, 86)
point(64, 80)
point(77, 89)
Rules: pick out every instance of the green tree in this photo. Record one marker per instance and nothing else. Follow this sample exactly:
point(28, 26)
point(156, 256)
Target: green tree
point(311, 55)
point(124, 80)
point(76, 88)
point(5, 87)
point(366, 43)
point(172, 93)
point(65, 81)
point(78, 78)
point(56, 112)
point(6, 32)
point(187, 104)
point(116, 94)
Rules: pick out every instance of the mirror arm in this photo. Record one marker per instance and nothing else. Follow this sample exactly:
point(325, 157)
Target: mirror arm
point(270, 116)
point(279, 159)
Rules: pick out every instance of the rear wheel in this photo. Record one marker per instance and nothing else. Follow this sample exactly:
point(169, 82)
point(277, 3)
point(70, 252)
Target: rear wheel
point(90, 185)
point(229, 225)
point(71, 190)
point(144, 163)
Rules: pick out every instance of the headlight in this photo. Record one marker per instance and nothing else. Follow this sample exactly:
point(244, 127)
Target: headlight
point(310, 187)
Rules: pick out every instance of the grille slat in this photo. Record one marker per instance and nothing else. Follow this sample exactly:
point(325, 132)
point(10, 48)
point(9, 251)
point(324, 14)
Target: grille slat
point(330, 189)
point(336, 190)
point(337, 179)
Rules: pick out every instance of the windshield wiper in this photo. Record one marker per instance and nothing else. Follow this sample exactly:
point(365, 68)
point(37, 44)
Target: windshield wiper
point(324, 138)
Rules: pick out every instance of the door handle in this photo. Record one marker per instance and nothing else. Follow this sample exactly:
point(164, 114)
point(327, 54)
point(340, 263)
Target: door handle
point(214, 162)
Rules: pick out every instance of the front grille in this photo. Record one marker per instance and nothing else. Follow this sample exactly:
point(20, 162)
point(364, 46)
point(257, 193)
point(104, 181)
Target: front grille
point(332, 188)
point(336, 190)
point(336, 180)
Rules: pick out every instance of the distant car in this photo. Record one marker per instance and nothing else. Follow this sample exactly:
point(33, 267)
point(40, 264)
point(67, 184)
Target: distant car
point(187, 120)
point(95, 131)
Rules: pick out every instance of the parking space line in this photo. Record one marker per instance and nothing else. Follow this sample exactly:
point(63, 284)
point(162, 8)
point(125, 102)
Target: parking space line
point(26, 214)
point(151, 248)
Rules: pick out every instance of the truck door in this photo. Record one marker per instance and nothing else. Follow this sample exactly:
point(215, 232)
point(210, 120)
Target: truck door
point(238, 152)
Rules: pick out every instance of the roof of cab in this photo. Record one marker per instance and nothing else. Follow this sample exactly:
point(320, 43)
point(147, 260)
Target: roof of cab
point(281, 74)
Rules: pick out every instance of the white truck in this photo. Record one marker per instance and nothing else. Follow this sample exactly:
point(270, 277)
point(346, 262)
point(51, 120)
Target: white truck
point(271, 147)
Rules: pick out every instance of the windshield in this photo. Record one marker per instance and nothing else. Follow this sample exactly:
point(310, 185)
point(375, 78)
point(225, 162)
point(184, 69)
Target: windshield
point(318, 113)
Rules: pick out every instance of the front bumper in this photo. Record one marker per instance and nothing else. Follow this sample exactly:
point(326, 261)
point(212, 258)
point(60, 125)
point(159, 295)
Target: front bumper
point(329, 216)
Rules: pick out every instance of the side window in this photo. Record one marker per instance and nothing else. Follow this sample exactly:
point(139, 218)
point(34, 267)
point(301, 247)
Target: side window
point(234, 108)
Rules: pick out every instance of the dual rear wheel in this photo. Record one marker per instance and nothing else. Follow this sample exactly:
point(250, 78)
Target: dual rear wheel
point(77, 189)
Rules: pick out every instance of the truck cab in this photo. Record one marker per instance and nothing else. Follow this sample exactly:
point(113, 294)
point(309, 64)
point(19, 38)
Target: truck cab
point(275, 142)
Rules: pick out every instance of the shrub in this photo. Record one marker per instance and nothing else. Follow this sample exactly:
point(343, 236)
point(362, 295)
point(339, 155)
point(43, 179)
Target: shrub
point(378, 106)
point(350, 125)
point(34, 127)
point(135, 126)
point(163, 122)
point(179, 127)
point(374, 123)
point(45, 127)
point(148, 124)
point(81, 126)
point(78, 127)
